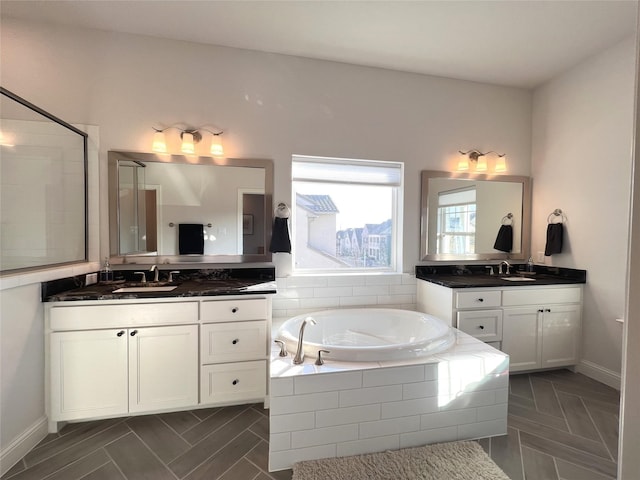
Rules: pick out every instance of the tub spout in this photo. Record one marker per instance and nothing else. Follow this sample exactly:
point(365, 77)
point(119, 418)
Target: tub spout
point(299, 358)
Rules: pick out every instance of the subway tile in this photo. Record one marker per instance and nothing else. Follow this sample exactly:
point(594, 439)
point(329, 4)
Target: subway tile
point(332, 292)
point(502, 395)
point(419, 390)
point(407, 408)
point(409, 279)
point(482, 429)
point(279, 441)
point(445, 419)
point(304, 403)
point(348, 415)
point(324, 383)
point(285, 303)
point(346, 281)
point(424, 437)
point(431, 371)
point(366, 396)
point(324, 436)
point(329, 301)
point(369, 445)
point(286, 458)
point(402, 289)
point(380, 428)
point(281, 387)
point(363, 301)
point(383, 280)
point(371, 290)
point(292, 421)
point(294, 293)
point(393, 376)
point(492, 412)
point(309, 281)
point(395, 299)
point(466, 400)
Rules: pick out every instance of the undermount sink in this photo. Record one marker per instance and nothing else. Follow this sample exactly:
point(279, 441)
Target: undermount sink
point(145, 289)
point(519, 279)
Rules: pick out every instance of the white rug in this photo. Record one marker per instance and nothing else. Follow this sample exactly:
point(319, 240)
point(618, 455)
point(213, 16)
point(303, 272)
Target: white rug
point(444, 461)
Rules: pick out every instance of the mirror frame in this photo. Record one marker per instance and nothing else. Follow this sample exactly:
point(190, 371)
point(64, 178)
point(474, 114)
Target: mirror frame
point(85, 178)
point(116, 258)
point(526, 217)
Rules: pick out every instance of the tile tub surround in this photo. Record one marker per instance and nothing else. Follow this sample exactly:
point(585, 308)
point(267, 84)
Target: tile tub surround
point(341, 409)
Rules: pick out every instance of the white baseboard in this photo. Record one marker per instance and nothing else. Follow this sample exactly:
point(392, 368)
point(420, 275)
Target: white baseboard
point(22, 445)
point(599, 373)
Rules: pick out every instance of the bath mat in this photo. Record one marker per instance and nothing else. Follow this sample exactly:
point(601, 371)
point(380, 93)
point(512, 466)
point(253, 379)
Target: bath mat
point(443, 461)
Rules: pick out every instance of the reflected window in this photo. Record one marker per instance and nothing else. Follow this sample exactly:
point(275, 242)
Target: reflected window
point(457, 221)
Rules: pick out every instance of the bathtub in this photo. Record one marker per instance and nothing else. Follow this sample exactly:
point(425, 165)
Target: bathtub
point(368, 334)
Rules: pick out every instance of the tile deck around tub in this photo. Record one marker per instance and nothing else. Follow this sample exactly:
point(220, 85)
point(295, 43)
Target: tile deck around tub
point(350, 408)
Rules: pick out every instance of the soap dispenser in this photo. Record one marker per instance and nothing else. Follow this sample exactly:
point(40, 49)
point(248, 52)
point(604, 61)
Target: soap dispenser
point(106, 274)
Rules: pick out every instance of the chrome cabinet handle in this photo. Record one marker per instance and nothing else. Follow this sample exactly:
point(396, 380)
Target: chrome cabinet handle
point(133, 334)
point(120, 333)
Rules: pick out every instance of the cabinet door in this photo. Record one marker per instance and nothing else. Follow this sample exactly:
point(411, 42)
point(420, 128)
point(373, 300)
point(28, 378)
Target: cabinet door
point(521, 337)
point(163, 367)
point(560, 331)
point(88, 374)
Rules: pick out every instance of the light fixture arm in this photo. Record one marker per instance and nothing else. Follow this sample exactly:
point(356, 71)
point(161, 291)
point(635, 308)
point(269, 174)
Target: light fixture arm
point(474, 154)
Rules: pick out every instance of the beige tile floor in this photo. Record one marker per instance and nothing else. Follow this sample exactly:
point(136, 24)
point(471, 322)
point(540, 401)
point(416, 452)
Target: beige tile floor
point(562, 426)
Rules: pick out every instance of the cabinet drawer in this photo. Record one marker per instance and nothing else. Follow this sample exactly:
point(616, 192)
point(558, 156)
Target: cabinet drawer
point(230, 382)
point(231, 342)
point(231, 310)
point(478, 298)
point(89, 317)
point(485, 325)
point(541, 296)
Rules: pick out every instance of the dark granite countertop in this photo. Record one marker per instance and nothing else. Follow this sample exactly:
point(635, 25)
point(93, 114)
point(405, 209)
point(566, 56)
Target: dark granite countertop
point(189, 283)
point(461, 276)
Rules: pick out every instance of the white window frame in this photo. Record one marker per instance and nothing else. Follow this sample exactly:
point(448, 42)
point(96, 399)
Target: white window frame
point(397, 206)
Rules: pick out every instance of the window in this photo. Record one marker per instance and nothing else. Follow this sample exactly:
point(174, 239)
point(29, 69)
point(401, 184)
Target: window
point(347, 215)
point(457, 221)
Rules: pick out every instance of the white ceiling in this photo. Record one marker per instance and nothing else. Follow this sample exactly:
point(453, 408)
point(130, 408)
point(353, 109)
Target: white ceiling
point(509, 42)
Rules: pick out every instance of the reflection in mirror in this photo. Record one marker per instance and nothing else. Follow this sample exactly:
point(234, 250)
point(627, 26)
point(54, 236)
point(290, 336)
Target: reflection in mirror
point(186, 209)
point(474, 217)
point(43, 164)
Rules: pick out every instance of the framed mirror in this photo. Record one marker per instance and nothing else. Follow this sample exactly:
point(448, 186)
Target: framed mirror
point(179, 209)
point(465, 216)
point(43, 173)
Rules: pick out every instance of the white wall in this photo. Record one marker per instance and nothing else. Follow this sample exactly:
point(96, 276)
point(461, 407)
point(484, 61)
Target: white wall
point(270, 106)
point(581, 163)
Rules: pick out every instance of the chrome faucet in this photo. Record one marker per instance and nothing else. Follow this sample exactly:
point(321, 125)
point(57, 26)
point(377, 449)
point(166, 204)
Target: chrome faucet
point(507, 264)
point(154, 268)
point(299, 358)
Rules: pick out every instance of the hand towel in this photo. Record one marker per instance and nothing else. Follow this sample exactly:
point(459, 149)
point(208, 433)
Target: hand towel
point(554, 239)
point(280, 242)
point(191, 239)
point(504, 239)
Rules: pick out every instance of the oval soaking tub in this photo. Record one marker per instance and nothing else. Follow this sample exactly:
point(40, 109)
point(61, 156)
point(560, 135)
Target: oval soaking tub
point(368, 334)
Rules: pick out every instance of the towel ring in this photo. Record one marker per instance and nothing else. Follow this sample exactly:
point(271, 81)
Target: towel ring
point(557, 213)
point(282, 211)
point(507, 218)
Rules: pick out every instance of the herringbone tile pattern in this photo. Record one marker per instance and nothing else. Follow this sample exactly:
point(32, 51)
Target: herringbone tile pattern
point(562, 426)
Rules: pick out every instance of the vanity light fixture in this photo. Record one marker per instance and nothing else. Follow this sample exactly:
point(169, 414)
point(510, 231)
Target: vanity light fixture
point(480, 160)
point(190, 137)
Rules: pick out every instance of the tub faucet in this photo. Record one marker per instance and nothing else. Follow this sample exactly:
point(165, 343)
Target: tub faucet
point(507, 264)
point(299, 358)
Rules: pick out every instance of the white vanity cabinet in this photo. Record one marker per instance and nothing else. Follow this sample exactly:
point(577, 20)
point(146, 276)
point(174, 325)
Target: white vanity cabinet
point(233, 350)
point(120, 357)
point(539, 326)
point(98, 370)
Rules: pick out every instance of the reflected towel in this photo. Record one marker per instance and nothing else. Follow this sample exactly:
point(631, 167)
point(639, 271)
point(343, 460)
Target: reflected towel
point(504, 239)
point(191, 239)
point(280, 242)
point(554, 239)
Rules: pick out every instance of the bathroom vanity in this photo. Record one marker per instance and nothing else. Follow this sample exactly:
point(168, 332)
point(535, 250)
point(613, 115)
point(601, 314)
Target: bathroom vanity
point(535, 319)
point(202, 344)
